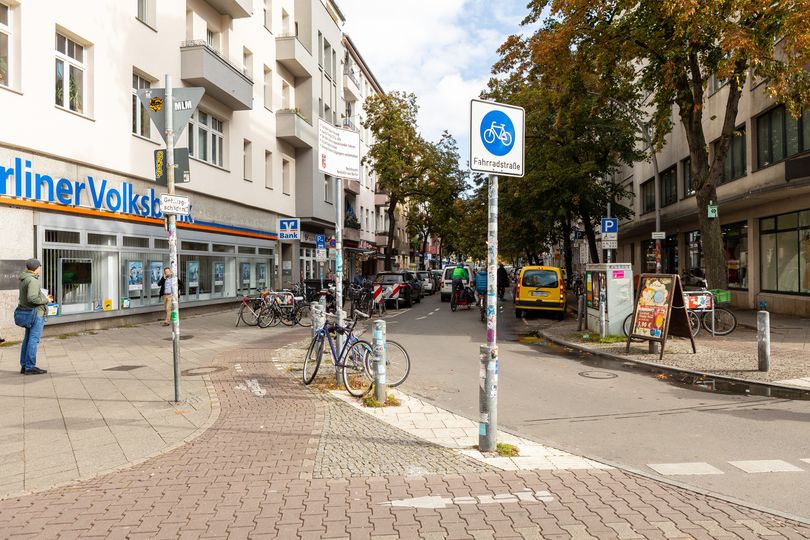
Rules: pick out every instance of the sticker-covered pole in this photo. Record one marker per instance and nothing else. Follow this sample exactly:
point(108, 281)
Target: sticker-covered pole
point(488, 392)
point(339, 267)
point(171, 226)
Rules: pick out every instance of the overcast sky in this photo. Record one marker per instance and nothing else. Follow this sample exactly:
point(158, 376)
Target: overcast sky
point(441, 50)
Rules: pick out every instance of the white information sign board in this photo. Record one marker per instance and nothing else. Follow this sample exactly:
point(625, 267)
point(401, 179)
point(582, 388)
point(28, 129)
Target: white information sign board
point(175, 205)
point(497, 138)
point(338, 151)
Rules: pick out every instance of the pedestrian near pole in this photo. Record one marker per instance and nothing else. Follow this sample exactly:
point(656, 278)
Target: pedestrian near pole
point(764, 340)
point(171, 227)
point(380, 385)
point(339, 267)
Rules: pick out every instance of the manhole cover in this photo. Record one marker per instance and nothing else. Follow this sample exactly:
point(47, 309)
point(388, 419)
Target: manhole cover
point(203, 370)
point(597, 375)
point(183, 337)
point(122, 368)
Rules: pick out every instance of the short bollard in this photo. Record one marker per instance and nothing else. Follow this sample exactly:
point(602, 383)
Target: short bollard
point(580, 311)
point(764, 340)
point(488, 400)
point(339, 340)
point(380, 385)
point(313, 314)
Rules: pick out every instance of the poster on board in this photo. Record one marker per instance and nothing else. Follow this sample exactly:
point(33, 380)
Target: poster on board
point(193, 271)
point(219, 274)
point(261, 274)
point(244, 273)
point(134, 275)
point(155, 273)
point(660, 311)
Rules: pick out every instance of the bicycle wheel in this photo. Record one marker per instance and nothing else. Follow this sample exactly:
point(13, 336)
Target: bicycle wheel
point(453, 304)
point(267, 317)
point(694, 323)
point(287, 315)
point(312, 361)
point(249, 313)
point(355, 377)
point(489, 136)
point(303, 315)
point(628, 322)
point(397, 364)
point(724, 321)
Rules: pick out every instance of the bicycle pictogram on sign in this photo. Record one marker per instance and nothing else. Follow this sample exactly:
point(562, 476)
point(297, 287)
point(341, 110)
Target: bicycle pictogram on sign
point(497, 133)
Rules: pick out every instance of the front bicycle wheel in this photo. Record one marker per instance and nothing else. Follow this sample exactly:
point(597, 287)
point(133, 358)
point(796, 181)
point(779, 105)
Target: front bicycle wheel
point(267, 317)
point(724, 321)
point(249, 313)
point(312, 361)
point(355, 377)
point(453, 304)
point(287, 316)
point(694, 323)
point(628, 322)
point(397, 364)
point(303, 315)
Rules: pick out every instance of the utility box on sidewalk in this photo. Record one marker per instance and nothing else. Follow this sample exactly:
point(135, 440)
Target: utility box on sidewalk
point(612, 284)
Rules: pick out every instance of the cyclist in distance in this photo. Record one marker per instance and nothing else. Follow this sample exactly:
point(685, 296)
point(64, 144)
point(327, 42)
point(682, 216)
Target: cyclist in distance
point(460, 275)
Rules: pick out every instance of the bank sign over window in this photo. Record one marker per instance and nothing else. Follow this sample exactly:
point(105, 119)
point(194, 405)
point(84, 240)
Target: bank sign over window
point(22, 181)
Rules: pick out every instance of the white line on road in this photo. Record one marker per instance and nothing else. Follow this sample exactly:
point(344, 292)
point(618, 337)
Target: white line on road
point(254, 387)
point(420, 318)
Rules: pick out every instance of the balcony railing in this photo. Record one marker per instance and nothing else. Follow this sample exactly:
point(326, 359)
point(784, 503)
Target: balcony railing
point(350, 74)
point(212, 50)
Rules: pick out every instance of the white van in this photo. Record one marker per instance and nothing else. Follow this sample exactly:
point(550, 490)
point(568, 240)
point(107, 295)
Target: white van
point(447, 280)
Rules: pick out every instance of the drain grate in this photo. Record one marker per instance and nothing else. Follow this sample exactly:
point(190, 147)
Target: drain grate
point(597, 375)
point(122, 368)
point(203, 370)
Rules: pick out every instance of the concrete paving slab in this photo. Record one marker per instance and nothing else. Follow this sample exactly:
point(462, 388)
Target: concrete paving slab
point(765, 466)
point(674, 469)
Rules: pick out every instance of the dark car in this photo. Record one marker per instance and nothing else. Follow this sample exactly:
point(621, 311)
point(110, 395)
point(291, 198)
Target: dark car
point(410, 288)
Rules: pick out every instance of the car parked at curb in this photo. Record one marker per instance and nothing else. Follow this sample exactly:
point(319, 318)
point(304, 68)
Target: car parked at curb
point(410, 288)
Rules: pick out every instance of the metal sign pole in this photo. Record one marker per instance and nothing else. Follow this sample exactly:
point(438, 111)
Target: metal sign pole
point(339, 266)
point(488, 395)
point(171, 221)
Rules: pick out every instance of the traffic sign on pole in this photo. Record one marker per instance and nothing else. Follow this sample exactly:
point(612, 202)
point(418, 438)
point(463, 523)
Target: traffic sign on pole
point(320, 242)
point(610, 225)
point(659, 235)
point(182, 174)
point(497, 138)
point(184, 103)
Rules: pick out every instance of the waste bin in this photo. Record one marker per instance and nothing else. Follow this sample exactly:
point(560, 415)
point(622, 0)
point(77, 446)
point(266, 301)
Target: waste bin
point(611, 284)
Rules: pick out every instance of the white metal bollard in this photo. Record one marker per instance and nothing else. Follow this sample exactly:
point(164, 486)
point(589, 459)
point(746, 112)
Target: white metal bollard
point(380, 385)
point(764, 340)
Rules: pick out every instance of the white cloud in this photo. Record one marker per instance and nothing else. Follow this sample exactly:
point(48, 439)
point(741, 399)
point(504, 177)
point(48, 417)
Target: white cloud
point(441, 50)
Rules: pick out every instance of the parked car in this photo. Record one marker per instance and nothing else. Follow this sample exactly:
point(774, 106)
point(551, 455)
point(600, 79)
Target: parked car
point(428, 281)
point(540, 288)
point(410, 287)
point(447, 280)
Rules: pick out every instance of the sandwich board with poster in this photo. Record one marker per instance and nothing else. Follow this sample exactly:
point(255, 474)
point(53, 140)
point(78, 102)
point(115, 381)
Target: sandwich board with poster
point(660, 311)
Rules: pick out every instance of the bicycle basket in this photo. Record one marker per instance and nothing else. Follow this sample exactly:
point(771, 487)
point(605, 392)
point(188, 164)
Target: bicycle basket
point(721, 296)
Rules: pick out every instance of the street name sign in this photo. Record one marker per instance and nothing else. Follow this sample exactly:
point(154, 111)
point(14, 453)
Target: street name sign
point(182, 174)
point(289, 229)
point(185, 103)
point(175, 205)
point(497, 138)
point(659, 235)
point(338, 151)
point(610, 244)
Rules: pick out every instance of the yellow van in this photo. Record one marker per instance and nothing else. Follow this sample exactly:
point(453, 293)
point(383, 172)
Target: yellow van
point(540, 288)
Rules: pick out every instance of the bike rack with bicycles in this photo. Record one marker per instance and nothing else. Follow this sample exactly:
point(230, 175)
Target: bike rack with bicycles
point(701, 302)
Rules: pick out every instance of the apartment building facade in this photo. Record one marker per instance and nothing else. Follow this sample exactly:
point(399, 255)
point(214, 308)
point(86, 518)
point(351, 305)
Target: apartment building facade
point(77, 186)
point(763, 203)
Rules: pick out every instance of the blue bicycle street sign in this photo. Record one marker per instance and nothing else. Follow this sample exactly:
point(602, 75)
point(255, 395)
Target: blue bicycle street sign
point(497, 138)
point(497, 133)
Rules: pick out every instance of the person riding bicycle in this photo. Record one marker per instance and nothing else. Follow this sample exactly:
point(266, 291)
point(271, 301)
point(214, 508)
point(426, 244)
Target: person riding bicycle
point(481, 284)
point(503, 281)
point(460, 275)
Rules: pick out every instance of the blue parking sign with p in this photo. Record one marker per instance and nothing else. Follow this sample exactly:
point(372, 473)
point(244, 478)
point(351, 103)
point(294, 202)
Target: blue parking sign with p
point(610, 225)
point(320, 241)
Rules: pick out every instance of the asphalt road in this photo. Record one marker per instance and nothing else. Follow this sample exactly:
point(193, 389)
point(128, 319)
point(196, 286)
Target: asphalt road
point(609, 412)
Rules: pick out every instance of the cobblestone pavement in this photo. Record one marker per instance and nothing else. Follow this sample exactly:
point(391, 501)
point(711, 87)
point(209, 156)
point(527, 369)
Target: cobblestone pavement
point(252, 475)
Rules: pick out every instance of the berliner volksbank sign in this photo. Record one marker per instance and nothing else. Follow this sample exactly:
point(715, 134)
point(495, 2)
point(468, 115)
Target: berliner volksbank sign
point(22, 181)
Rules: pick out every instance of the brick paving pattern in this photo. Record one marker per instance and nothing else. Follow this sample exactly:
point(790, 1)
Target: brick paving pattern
point(251, 476)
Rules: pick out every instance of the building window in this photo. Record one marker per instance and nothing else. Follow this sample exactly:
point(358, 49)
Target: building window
point(694, 249)
point(735, 246)
point(268, 88)
point(327, 58)
point(320, 49)
point(785, 253)
point(286, 173)
point(70, 74)
point(5, 45)
point(206, 138)
point(268, 169)
point(247, 63)
point(327, 188)
point(779, 136)
point(140, 118)
point(212, 38)
point(647, 196)
point(285, 23)
point(286, 95)
point(146, 12)
point(688, 184)
point(268, 15)
point(734, 167)
point(669, 187)
point(247, 160)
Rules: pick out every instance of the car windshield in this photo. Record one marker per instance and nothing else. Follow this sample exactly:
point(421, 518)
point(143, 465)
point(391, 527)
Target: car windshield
point(423, 275)
point(387, 279)
point(540, 278)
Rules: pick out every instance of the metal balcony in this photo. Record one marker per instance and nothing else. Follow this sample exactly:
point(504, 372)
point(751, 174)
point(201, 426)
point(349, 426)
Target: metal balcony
point(351, 87)
point(294, 129)
point(292, 54)
point(238, 9)
point(201, 65)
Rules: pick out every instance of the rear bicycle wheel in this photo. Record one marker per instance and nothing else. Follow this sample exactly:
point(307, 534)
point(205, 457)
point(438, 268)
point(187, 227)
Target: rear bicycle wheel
point(453, 304)
point(626, 326)
point(724, 321)
point(397, 364)
point(303, 315)
point(267, 317)
point(287, 315)
point(694, 323)
point(312, 360)
point(355, 378)
point(249, 313)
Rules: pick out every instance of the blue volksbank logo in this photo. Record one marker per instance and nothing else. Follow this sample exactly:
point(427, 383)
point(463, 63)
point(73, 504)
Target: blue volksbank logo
point(21, 182)
point(289, 229)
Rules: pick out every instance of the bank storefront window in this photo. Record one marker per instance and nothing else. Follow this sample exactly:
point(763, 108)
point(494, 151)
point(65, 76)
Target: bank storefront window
point(785, 253)
point(117, 270)
point(735, 245)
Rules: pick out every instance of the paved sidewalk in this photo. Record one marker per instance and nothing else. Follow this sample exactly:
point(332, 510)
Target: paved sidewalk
point(105, 401)
point(284, 461)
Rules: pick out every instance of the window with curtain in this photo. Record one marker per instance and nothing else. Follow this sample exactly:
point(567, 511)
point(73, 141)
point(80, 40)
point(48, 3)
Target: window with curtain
point(785, 253)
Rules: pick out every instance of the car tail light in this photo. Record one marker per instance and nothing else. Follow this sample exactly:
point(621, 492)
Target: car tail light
point(562, 292)
point(517, 289)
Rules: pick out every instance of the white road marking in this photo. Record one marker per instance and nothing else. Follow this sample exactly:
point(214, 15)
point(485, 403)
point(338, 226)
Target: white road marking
point(672, 469)
point(237, 367)
point(805, 460)
point(442, 502)
point(254, 387)
point(765, 465)
point(420, 318)
point(435, 310)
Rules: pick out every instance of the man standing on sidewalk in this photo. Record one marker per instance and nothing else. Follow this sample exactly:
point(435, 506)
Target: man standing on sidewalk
point(165, 284)
point(32, 297)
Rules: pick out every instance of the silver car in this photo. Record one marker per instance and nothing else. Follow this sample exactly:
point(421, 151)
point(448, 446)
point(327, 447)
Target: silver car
point(428, 283)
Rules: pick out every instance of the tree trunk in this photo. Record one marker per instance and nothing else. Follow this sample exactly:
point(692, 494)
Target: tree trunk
point(424, 248)
point(392, 227)
point(590, 234)
point(567, 251)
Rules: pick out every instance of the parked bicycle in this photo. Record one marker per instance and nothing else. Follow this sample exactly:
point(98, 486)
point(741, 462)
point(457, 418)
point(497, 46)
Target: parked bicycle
point(700, 313)
point(251, 310)
point(286, 308)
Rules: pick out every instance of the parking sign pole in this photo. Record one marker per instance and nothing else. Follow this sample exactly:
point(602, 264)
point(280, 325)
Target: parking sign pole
point(171, 226)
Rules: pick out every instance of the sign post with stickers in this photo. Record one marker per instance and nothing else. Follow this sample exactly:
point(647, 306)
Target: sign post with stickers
point(497, 147)
point(660, 311)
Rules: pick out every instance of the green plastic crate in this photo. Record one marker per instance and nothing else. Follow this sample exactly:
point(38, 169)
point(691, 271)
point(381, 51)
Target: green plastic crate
point(721, 296)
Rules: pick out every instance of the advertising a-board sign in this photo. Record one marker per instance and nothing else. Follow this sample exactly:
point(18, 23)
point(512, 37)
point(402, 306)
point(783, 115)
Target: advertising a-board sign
point(660, 311)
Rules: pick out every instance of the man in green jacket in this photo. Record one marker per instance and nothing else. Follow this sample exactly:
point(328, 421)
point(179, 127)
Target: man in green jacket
point(32, 297)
